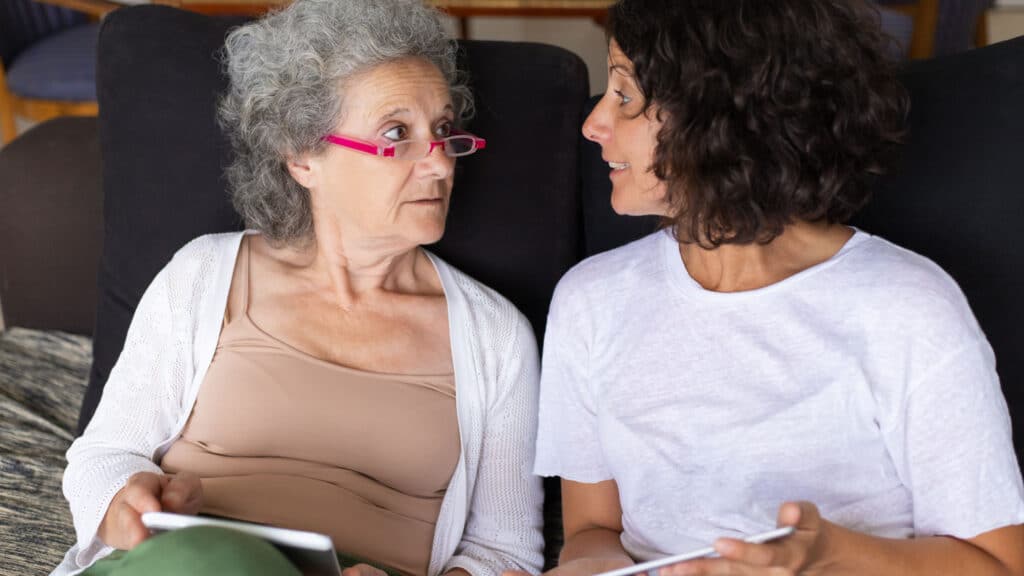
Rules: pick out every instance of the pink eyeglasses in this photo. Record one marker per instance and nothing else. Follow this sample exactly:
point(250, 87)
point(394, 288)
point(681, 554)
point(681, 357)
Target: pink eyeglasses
point(458, 144)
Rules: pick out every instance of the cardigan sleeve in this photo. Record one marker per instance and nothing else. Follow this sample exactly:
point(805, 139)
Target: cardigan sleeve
point(504, 526)
point(140, 405)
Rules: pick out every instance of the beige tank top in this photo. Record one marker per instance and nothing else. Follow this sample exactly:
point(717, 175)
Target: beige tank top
point(281, 437)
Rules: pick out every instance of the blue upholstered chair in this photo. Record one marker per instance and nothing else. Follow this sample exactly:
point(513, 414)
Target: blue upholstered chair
point(942, 26)
point(900, 26)
point(47, 63)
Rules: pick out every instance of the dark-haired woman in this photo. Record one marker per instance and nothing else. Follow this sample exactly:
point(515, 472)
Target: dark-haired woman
point(757, 361)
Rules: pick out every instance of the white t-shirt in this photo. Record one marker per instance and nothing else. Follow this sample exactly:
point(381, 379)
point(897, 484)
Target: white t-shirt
point(863, 384)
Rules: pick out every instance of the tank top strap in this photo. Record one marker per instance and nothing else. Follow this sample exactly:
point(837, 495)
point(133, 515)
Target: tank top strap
point(244, 272)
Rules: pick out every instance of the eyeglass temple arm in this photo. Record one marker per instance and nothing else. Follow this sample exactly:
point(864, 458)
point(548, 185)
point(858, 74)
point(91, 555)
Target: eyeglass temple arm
point(359, 145)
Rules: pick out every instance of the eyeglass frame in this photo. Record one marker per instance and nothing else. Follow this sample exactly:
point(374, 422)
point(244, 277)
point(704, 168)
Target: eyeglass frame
point(388, 151)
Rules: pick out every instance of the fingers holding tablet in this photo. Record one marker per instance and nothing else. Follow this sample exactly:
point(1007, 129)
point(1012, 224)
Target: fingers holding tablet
point(122, 526)
point(700, 561)
point(801, 545)
point(182, 493)
point(794, 553)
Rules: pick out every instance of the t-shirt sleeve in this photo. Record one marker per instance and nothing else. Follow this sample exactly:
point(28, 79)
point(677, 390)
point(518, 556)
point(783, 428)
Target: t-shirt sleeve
point(954, 447)
point(567, 435)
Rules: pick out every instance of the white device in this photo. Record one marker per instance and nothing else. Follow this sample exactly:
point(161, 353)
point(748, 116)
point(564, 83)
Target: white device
point(311, 552)
point(702, 553)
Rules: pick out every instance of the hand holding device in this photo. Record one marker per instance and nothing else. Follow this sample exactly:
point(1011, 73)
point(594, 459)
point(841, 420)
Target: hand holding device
point(707, 552)
point(810, 550)
point(311, 552)
point(122, 525)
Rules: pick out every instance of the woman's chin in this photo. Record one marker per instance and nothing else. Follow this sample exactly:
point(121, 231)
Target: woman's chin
point(428, 234)
point(626, 202)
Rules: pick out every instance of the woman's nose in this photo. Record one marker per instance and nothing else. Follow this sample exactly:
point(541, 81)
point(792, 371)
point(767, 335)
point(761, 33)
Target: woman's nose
point(594, 128)
point(437, 164)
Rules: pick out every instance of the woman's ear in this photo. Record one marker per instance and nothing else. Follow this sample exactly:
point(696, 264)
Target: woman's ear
point(303, 169)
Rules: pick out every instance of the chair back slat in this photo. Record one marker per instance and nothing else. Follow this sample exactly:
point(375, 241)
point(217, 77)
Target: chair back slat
point(22, 22)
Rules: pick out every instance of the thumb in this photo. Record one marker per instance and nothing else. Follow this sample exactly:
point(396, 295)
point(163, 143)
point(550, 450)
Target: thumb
point(142, 493)
point(802, 515)
point(183, 494)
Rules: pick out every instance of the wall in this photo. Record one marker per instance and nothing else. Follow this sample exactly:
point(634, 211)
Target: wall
point(1005, 23)
point(580, 35)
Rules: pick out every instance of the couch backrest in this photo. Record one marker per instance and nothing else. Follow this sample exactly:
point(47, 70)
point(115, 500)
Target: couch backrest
point(513, 222)
point(958, 197)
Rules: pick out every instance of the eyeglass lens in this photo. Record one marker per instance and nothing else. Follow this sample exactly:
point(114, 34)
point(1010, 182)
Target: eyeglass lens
point(453, 146)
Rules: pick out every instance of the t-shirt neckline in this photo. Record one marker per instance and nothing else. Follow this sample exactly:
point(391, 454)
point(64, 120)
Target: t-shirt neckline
point(680, 277)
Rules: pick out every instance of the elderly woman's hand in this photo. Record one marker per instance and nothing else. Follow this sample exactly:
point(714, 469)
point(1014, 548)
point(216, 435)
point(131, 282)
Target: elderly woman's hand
point(803, 553)
point(122, 526)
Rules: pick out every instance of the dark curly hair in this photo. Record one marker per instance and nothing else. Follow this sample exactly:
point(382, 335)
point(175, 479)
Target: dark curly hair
point(772, 110)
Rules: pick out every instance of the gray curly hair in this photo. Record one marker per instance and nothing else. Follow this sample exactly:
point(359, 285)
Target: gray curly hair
point(287, 75)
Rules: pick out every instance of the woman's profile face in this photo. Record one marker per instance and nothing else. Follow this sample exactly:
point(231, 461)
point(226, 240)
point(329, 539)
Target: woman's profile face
point(386, 200)
point(628, 138)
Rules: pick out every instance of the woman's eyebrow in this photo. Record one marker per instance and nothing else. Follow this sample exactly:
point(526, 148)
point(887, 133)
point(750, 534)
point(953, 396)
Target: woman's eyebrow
point(621, 69)
point(448, 108)
point(392, 113)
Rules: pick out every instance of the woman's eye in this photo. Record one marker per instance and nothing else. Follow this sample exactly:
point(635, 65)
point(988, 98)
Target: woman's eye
point(444, 130)
point(623, 99)
point(395, 134)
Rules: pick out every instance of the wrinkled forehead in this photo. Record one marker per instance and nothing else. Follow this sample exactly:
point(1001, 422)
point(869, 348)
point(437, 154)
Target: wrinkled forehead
point(410, 86)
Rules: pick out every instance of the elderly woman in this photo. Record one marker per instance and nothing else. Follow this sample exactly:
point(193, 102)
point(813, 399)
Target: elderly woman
point(757, 361)
point(322, 371)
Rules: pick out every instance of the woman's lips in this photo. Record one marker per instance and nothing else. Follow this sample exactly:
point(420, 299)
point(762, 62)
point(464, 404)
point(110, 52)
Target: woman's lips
point(617, 167)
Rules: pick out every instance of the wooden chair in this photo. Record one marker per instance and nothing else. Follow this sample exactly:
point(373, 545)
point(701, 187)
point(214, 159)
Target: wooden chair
point(47, 62)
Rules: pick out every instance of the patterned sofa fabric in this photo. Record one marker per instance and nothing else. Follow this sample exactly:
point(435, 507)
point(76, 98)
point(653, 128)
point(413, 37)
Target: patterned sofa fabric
point(42, 379)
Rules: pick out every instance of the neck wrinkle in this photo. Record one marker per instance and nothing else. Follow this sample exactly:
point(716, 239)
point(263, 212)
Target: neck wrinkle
point(355, 269)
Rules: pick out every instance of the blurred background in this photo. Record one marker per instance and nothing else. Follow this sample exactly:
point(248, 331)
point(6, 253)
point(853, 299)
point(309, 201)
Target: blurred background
point(47, 47)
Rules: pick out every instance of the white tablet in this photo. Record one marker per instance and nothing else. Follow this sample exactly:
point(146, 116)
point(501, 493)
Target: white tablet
point(311, 552)
point(702, 553)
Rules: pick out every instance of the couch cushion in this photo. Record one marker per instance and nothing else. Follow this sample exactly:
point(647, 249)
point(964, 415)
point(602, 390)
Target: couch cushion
point(958, 197)
point(58, 67)
point(51, 203)
point(157, 81)
point(514, 217)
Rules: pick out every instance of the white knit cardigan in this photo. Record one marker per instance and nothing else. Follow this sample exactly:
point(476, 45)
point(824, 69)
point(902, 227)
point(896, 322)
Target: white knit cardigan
point(490, 519)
